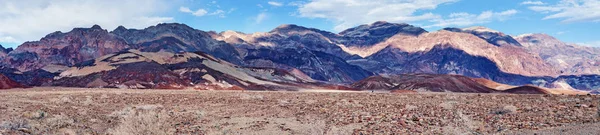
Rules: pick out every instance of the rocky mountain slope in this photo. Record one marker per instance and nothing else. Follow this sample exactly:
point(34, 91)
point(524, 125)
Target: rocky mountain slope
point(296, 56)
point(7, 83)
point(491, 36)
point(292, 46)
point(4, 51)
point(166, 70)
point(449, 83)
point(65, 49)
point(402, 50)
point(422, 83)
point(174, 37)
point(570, 59)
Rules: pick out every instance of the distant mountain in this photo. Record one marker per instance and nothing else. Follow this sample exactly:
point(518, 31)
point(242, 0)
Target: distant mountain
point(570, 59)
point(367, 35)
point(4, 51)
point(166, 70)
point(491, 36)
point(65, 49)
point(172, 55)
point(446, 52)
point(292, 46)
point(174, 37)
point(449, 83)
point(422, 83)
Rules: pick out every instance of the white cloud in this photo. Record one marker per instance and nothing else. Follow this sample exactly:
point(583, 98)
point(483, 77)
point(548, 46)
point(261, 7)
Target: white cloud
point(28, 20)
point(532, 3)
point(349, 13)
point(199, 12)
point(260, 18)
point(572, 11)
point(202, 12)
point(296, 3)
point(274, 3)
point(466, 19)
point(185, 10)
point(591, 44)
point(219, 13)
point(8, 39)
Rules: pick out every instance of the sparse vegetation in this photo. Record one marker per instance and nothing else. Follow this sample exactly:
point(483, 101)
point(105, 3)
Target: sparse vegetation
point(506, 110)
point(141, 120)
point(100, 111)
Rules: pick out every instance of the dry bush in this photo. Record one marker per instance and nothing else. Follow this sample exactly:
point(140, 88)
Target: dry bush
point(410, 107)
point(35, 124)
point(141, 120)
point(508, 109)
point(14, 125)
point(448, 105)
point(88, 101)
point(251, 97)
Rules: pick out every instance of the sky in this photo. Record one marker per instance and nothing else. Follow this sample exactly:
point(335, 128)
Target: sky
point(573, 21)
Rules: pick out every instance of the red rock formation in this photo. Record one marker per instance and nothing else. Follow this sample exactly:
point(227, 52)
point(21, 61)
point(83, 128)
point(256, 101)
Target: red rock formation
point(527, 90)
point(67, 49)
point(422, 83)
point(7, 83)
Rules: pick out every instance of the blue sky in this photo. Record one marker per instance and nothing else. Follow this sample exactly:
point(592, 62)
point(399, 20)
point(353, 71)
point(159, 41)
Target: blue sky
point(574, 21)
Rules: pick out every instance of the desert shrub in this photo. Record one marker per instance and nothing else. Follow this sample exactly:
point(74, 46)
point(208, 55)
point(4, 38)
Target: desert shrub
point(506, 110)
point(141, 120)
point(14, 125)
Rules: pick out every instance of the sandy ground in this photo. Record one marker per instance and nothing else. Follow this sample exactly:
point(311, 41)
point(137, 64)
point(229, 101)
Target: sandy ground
point(111, 111)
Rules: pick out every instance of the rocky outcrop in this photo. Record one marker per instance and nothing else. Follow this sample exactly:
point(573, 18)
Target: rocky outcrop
point(37, 77)
point(294, 47)
point(527, 90)
point(7, 83)
point(423, 83)
point(318, 65)
point(174, 37)
point(4, 51)
point(446, 52)
point(166, 70)
point(172, 55)
point(367, 35)
point(66, 49)
point(491, 36)
point(570, 59)
point(450, 83)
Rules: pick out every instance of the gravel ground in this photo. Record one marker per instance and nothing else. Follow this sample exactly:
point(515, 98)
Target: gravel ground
point(109, 111)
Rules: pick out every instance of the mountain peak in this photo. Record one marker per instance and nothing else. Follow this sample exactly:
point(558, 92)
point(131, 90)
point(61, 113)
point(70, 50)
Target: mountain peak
point(121, 27)
point(536, 38)
point(287, 28)
point(383, 23)
point(173, 25)
point(382, 28)
point(539, 35)
point(96, 26)
point(4, 51)
point(480, 29)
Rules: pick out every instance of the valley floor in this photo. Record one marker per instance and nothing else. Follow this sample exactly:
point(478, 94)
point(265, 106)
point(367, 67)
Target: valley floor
point(112, 111)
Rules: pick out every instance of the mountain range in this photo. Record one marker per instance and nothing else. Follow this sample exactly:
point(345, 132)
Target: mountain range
point(381, 55)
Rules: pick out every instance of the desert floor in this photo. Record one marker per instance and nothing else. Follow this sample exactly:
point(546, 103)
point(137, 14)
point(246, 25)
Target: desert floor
point(111, 111)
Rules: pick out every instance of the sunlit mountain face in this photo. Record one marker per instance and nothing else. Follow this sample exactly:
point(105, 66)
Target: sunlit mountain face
point(298, 44)
point(297, 57)
point(299, 67)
